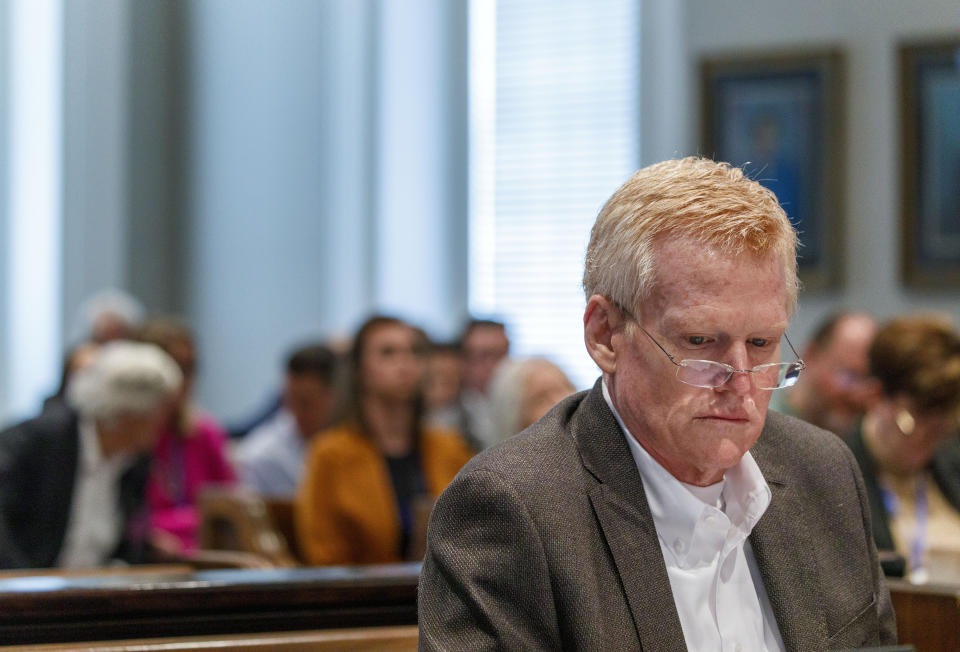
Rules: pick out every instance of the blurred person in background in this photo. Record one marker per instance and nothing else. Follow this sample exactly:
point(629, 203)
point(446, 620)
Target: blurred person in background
point(190, 452)
point(833, 392)
point(270, 459)
point(443, 392)
point(110, 314)
point(367, 478)
point(484, 343)
point(907, 445)
point(338, 343)
point(74, 360)
point(522, 391)
point(72, 480)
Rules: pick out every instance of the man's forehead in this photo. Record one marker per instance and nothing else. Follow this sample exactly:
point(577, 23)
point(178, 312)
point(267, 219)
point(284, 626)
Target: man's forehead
point(711, 321)
point(485, 336)
point(718, 287)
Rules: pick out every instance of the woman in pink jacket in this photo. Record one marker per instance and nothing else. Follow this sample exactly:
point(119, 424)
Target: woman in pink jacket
point(190, 452)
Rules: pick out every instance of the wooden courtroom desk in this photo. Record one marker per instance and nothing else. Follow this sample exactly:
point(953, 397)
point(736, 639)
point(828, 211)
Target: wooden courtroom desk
point(928, 615)
point(57, 609)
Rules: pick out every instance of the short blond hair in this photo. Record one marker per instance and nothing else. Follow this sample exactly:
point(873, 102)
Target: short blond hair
point(696, 198)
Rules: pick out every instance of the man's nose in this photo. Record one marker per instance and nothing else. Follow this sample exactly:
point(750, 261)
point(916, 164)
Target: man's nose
point(741, 382)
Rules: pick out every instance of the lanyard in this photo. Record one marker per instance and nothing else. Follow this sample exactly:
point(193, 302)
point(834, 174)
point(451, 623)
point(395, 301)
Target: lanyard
point(921, 515)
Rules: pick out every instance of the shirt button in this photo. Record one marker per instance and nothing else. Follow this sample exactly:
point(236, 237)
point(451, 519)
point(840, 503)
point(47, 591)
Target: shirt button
point(737, 648)
point(679, 546)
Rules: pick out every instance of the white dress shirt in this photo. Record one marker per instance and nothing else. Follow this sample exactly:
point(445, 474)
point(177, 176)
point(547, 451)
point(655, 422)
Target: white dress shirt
point(703, 532)
point(270, 459)
point(95, 524)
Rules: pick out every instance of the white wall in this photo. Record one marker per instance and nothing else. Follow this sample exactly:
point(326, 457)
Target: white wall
point(32, 225)
point(868, 31)
point(4, 183)
point(421, 207)
point(322, 178)
point(95, 173)
point(256, 236)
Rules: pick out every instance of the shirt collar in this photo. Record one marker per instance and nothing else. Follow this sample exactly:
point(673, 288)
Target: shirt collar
point(91, 454)
point(676, 510)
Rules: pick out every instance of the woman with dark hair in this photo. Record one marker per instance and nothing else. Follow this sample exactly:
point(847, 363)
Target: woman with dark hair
point(190, 452)
point(907, 445)
point(366, 478)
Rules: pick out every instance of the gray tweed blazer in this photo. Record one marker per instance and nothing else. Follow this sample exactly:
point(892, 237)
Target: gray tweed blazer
point(547, 542)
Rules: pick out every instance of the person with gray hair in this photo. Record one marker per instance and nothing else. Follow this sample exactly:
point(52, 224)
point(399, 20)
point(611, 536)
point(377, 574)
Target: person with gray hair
point(522, 391)
point(666, 509)
point(107, 315)
point(72, 479)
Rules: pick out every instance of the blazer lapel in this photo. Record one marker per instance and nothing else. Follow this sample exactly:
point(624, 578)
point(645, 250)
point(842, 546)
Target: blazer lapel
point(621, 508)
point(66, 460)
point(793, 588)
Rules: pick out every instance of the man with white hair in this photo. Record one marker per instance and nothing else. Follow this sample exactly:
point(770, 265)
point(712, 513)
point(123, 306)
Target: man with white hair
point(72, 479)
point(666, 509)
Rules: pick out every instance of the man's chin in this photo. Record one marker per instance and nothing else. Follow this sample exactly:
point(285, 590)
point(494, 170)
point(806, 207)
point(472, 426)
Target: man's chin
point(733, 438)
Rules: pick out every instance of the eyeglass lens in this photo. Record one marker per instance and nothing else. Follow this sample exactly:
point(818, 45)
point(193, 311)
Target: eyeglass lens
point(706, 373)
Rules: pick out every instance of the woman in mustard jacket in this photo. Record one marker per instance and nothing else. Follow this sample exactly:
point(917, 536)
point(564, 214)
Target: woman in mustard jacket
point(365, 478)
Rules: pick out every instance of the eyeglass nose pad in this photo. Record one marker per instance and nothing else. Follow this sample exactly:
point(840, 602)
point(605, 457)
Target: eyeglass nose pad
point(742, 376)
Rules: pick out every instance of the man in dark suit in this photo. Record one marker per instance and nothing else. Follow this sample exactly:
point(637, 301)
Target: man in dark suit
point(664, 509)
point(72, 479)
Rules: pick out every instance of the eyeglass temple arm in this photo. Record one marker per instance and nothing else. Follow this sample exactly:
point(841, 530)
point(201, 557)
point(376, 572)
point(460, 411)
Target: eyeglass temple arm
point(795, 354)
point(658, 345)
point(673, 360)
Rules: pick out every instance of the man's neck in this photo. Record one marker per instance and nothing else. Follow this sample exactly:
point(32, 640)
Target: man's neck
point(110, 441)
point(683, 472)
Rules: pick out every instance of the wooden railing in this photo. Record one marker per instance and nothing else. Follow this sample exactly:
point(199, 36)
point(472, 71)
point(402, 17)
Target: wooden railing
point(361, 607)
point(55, 609)
point(928, 616)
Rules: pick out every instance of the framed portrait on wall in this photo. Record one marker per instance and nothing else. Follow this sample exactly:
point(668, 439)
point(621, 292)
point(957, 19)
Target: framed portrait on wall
point(930, 164)
point(780, 117)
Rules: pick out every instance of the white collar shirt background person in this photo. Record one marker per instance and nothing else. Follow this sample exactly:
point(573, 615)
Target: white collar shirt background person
point(716, 583)
point(95, 525)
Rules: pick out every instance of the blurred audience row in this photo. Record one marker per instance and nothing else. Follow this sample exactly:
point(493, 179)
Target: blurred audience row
point(360, 442)
point(364, 437)
point(892, 391)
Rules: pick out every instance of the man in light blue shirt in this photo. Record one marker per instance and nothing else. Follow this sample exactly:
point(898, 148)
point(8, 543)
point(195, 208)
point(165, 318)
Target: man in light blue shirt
point(270, 459)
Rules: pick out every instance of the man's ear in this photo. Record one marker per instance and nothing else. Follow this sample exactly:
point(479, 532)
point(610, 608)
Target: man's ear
point(601, 320)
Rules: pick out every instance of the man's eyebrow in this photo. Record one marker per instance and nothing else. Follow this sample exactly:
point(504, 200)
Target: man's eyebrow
point(685, 325)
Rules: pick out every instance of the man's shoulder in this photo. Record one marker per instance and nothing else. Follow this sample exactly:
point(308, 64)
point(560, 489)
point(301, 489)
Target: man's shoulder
point(792, 431)
point(263, 440)
point(41, 449)
point(55, 423)
point(546, 447)
point(790, 446)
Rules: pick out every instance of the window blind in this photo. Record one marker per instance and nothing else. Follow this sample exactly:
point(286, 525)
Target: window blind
point(554, 125)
